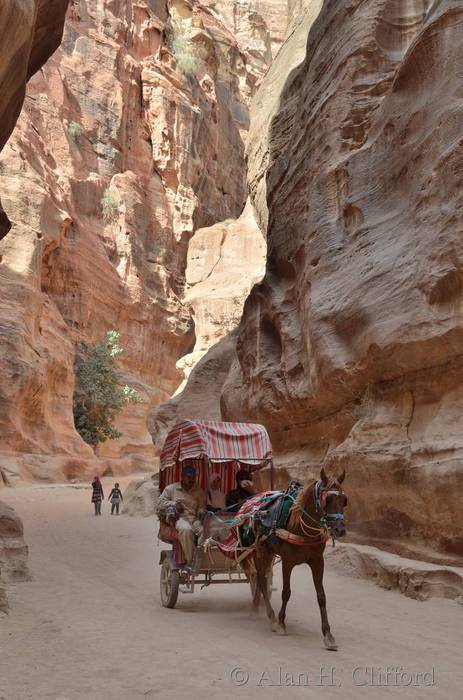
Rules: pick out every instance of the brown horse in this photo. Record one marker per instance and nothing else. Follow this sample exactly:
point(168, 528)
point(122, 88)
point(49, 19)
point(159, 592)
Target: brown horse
point(316, 515)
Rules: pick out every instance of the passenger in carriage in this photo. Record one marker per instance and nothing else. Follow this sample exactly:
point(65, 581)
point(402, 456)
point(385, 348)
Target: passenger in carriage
point(215, 495)
point(183, 504)
point(244, 490)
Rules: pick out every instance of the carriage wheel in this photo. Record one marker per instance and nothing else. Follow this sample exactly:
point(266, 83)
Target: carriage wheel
point(170, 581)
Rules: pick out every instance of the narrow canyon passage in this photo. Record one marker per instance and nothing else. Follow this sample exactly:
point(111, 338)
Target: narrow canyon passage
point(90, 625)
point(262, 199)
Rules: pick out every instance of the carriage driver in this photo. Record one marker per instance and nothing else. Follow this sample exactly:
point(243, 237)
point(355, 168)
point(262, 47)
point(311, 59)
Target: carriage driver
point(184, 505)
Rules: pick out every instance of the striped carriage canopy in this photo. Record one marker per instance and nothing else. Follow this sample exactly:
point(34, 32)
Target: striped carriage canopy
point(214, 447)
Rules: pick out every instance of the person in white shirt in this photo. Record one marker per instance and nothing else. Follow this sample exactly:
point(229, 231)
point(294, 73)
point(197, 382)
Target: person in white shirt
point(184, 505)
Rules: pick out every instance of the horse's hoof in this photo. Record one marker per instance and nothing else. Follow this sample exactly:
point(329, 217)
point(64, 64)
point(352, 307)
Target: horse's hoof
point(274, 626)
point(330, 642)
point(281, 630)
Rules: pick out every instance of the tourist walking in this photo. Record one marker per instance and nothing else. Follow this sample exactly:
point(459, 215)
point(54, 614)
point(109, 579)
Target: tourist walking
point(115, 497)
point(97, 495)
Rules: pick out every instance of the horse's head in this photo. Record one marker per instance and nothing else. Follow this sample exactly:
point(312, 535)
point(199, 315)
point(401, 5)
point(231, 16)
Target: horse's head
point(332, 500)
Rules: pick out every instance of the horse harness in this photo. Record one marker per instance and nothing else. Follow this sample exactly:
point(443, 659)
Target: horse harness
point(321, 534)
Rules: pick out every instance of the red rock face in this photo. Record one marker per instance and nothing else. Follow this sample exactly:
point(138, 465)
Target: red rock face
point(29, 33)
point(114, 120)
point(217, 275)
point(224, 262)
point(255, 22)
point(350, 349)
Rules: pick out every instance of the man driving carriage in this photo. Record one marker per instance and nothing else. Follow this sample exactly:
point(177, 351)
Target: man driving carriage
point(183, 504)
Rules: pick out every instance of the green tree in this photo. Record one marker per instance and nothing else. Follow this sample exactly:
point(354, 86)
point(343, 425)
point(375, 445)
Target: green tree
point(98, 395)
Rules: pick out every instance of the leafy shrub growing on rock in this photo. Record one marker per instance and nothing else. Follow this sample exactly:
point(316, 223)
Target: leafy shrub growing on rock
point(98, 394)
point(109, 206)
point(184, 53)
point(75, 131)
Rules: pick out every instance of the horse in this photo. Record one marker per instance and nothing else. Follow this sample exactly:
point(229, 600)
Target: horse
point(316, 515)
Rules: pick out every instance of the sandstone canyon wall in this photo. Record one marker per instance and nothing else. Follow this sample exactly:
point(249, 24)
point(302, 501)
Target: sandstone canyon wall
point(350, 350)
point(199, 396)
point(262, 21)
point(224, 261)
point(114, 115)
point(13, 552)
point(266, 103)
point(28, 35)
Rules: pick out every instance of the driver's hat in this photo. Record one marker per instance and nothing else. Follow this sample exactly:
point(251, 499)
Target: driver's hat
point(189, 469)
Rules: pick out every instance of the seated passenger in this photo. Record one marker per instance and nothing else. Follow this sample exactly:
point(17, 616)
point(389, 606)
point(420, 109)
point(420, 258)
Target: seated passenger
point(183, 505)
point(244, 490)
point(215, 496)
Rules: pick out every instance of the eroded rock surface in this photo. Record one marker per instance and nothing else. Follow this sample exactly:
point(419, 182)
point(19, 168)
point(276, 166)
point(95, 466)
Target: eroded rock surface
point(141, 497)
point(414, 579)
point(200, 397)
point(350, 349)
point(259, 25)
point(29, 33)
point(200, 394)
point(13, 551)
point(224, 262)
point(266, 102)
point(124, 148)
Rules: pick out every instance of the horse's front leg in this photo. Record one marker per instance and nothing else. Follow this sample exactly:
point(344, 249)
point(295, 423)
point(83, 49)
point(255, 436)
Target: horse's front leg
point(317, 567)
point(287, 566)
point(263, 561)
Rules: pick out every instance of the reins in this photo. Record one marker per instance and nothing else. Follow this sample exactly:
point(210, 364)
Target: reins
point(314, 532)
point(322, 531)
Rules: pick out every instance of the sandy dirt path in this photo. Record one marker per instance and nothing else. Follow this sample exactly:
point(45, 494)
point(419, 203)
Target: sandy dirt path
point(89, 626)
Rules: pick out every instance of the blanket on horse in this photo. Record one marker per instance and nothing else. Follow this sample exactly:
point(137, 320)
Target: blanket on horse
point(260, 515)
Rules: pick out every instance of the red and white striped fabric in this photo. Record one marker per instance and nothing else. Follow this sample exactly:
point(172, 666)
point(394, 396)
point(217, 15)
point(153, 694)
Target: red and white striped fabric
point(225, 447)
point(244, 516)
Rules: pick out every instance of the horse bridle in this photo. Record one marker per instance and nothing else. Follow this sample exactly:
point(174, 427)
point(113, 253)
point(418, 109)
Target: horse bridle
point(321, 493)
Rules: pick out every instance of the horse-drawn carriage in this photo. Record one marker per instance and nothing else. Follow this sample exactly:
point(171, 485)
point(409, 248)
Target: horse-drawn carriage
point(213, 447)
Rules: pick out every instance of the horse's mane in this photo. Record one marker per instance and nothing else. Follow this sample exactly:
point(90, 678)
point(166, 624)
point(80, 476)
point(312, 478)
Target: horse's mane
point(302, 498)
point(299, 505)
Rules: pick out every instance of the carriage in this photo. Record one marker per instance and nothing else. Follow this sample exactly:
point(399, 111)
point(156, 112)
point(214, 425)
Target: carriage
point(214, 448)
